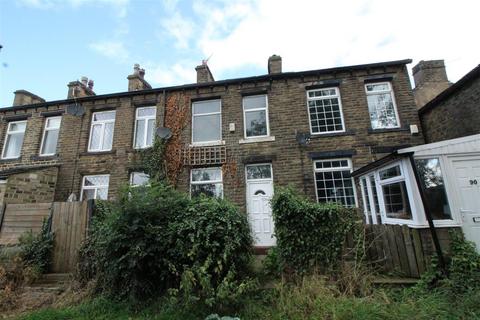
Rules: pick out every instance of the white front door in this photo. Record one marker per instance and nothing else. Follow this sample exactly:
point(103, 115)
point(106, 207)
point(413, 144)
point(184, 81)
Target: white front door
point(467, 180)
point(259, 194)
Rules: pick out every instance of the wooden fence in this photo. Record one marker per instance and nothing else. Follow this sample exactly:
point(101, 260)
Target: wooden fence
point(69, 224)
point(20, 218)
point(400, 249)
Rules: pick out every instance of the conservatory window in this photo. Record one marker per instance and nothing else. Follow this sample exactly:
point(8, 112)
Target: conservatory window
point(396, 203)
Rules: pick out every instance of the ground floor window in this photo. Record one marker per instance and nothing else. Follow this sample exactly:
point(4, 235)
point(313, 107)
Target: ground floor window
point(334, 182)
point(95, 187)
point(139, 179)
point(207, 181)
point(430, 173)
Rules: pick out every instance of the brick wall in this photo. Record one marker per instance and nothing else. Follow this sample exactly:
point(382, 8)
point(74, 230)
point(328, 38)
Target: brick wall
point(32, 186)
point(288, 115)
point(454, 117)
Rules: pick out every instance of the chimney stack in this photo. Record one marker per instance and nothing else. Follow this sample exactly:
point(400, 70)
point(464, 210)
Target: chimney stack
point(24, 97)
point(274, 64)
point(203, 73)
point(79, 89)
point(136, 80)
point(430, 79)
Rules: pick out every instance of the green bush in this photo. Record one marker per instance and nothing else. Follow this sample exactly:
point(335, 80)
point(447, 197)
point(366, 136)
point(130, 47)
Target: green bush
point(36, 249)
point(156, 238)
point(309, 235)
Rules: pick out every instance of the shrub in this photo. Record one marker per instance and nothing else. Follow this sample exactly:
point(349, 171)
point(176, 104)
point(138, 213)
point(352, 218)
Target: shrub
point(36, 249)
point(309, 235)
point(156, 238)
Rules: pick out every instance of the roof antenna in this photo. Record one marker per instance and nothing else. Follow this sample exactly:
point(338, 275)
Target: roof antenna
point(205, 61)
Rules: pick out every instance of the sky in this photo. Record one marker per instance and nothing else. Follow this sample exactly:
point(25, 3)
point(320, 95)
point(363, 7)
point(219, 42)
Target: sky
point(48, 43)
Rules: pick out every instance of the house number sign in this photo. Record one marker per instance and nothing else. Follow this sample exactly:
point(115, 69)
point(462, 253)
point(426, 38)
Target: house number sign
point(473, 182)
point(476, 219)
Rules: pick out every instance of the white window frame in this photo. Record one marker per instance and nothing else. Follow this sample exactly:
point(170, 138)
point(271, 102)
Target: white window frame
point(11, 133)
point(45, 129)
point(84, 187)
point(255, 109)
point(348, 167)
point(138, 185)
point(369, 192)
point(102, 132)
point(390, 91)
point(206, 182)
point(145, 119)
point(211, 142)
point(340, 107)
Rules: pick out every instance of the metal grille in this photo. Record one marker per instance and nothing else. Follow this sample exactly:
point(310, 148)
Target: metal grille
point(193, 156)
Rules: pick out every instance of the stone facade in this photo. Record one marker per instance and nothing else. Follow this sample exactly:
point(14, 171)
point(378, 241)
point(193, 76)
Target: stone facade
point(33, 186)
point(292, 163)
point(430, 79)
point(454, 113)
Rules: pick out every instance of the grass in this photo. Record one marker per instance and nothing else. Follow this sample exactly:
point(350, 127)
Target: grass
point(312, 299)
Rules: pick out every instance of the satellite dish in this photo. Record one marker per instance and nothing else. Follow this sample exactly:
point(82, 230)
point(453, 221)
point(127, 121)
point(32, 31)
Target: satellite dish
point(303, 138)
point(75, 110)
point(164, 133)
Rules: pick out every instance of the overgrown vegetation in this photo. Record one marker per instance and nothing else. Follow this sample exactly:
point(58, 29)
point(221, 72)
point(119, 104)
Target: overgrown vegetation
point(156, 239)
point(310, 236)
point(36, 249)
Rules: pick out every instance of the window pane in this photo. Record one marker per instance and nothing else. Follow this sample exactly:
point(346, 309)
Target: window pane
point(263, 171)
point(382, 111)
point(150, 132)
point(377, 87)
point(206, 128)
point(210, 190)
point(145, 112)
point(390, 173)
point(95, 138)
point(102, 116)
point(53, 122)
point(207, 174)
point(396, 201)
point(108, 136)
point(13, 145)
point(253, 102)
point(139, 179)
point(375, 197)
point(325, 115)
point(432, 184)
point(206, 107)
point(17, 126)
point(96, 181)
point(50, 142)
point(102, 193)
point(140, 134)
point(366, 205)
point(256, 123)
point(88, 194)
point(335, 186)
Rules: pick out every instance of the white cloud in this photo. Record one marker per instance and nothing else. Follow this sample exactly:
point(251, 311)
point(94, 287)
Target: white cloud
point(164, 75)
point(322, 34)
point(178, 27)
point(114, 50)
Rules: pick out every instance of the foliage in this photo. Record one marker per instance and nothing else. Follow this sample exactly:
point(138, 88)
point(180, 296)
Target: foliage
point(310, 235)
point(36, 249)
point(272, 265)
point(156, 238)
point(153, 160)
point(463, 269)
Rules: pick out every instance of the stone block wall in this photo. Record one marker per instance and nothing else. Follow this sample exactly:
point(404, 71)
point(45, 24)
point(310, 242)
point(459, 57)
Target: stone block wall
point(36, 186)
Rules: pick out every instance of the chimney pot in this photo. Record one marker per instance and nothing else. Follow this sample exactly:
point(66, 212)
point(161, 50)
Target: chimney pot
point(274, 64)
point(203, 73)
point(136, 80)
point(90, 84)
point(136, 68)
point(84, 81)
point(141, 73)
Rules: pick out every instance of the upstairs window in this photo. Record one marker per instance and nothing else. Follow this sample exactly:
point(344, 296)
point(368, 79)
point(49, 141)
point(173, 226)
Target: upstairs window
point(381, 106)
point(139, 179)
point(14, 139)
point(101, 131)
point(206, 122)
point(95, 187)
point(207, 181)
point(50, 136)
point(145, 127)
point(334, 182)
point(325, 111)
point(255, 116)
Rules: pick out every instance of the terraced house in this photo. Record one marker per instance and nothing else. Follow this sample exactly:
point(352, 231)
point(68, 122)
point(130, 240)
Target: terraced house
point(242, 137)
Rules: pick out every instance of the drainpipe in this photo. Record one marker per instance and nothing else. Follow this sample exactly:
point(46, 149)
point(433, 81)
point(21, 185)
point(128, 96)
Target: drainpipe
point(428, 214)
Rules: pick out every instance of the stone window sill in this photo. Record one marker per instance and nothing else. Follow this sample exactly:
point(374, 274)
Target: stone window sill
point(94, 153)
point(19, 159)
point(333, 134)
point(255, 140)
point(45, 158)
point(388, 130)
point(208, 144)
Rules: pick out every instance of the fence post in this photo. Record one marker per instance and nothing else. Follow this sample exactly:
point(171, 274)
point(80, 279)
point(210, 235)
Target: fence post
point(2, 213)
